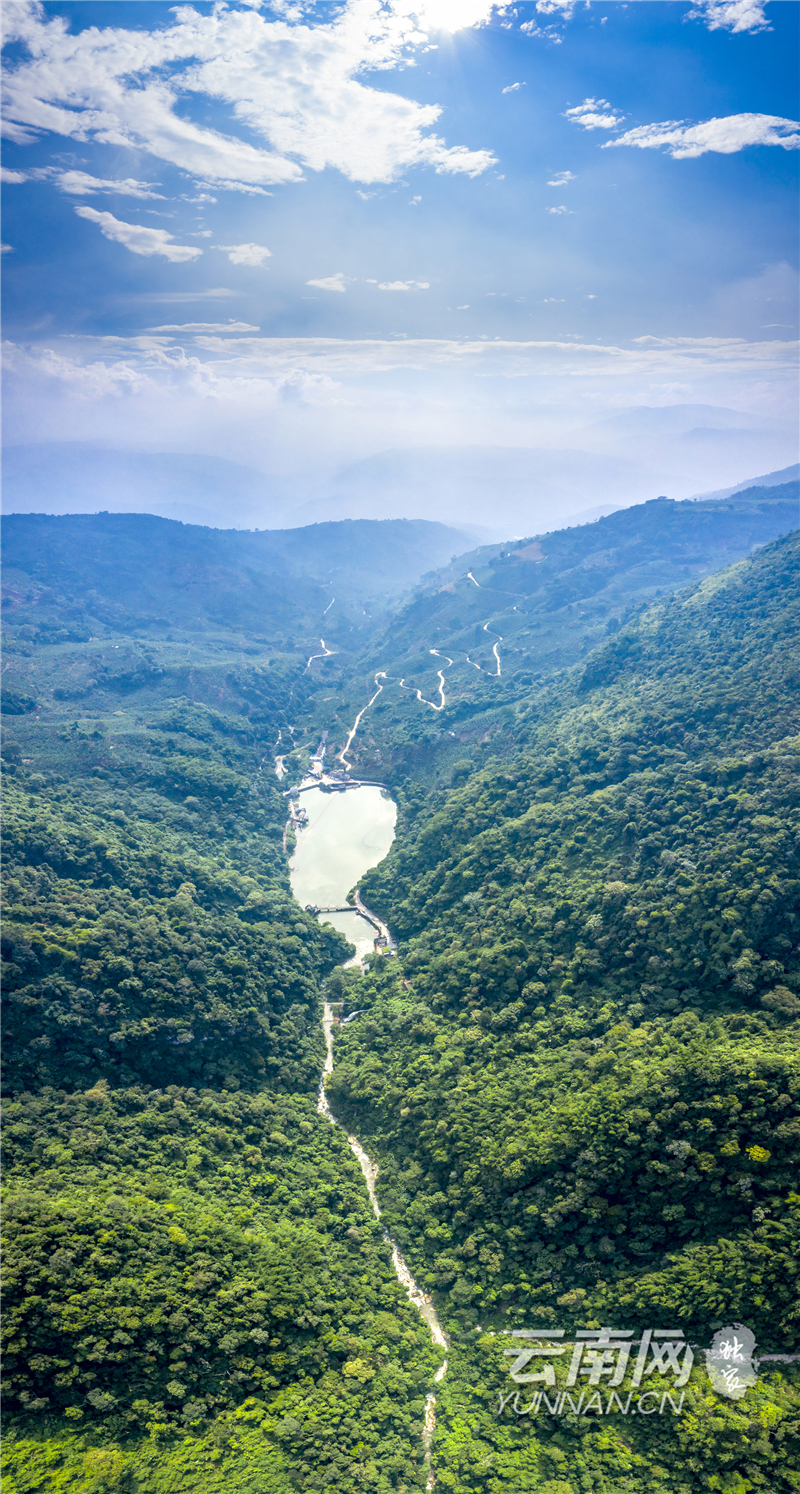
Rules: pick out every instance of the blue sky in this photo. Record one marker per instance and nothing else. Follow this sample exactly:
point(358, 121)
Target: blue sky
point(299, 235)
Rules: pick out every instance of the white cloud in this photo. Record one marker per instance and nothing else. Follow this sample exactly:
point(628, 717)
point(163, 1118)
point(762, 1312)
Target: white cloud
point(595, 114)
point(415, 202)
point(404, 285)
point(205, 327)
point(246, 254)
point(548, 33)
point(16, 132)
point(335, 282)
point(725, 136)
point(12, 177)
point(564, 8)
point(139, 240)
point(560, 209)
point(86, 381)
point(80, 184)
point(732, 15)
point(738, 16)
point(513, 87)
point(548, 301)
point(560, 11)
point(295, 84)
point(6, 248)
point(562, 179)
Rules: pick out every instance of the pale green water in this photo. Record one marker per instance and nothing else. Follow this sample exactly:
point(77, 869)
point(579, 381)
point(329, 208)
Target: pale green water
point(356, 929)
point(346, 835)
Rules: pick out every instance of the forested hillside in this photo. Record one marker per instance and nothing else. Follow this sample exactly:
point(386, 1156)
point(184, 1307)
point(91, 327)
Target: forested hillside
point(579, 1074)
point(585, 1093)
point(197, 1296)
point(500, 621)
point(156, 573)
point(214, 1305)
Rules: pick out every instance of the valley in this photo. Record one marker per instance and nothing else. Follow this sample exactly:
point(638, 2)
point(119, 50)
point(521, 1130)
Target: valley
point(568, 1094)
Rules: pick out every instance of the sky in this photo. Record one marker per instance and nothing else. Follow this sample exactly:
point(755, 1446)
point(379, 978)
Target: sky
point(421, 257)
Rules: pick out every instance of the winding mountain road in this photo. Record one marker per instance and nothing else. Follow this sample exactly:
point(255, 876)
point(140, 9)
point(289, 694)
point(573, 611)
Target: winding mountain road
point(419, 694)
point(496, 649)
point(329, 652)
point(381, 675)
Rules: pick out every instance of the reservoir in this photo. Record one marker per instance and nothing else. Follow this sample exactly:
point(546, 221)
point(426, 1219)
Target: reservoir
point(346, 835)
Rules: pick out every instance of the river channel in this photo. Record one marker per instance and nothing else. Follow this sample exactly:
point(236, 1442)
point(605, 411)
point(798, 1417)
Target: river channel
point(348, 833)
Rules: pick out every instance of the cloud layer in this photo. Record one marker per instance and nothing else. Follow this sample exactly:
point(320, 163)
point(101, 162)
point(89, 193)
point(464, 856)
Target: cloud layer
point(302, 408)
point(222, 364)
point(293, 85)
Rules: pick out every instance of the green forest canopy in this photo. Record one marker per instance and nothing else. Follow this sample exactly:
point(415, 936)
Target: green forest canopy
point(579, 1076)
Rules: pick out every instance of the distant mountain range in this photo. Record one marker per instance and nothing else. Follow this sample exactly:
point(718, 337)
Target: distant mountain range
point(494, 490)
point(154, 571)
point(64, 477)
point(629, 457)
point(770, 480)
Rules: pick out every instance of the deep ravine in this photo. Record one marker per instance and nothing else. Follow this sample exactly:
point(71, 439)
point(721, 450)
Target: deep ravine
point(422, 1303)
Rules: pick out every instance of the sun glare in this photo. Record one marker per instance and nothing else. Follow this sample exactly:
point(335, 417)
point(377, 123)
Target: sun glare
point(453, 15)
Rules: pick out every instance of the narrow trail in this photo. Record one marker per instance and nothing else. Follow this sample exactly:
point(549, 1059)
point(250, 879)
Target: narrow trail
point(496, 648)
point(423, 1304)
point(328, 652)
point(381, 675)
point(472, 662)
point(328, 608)
point(474, 582)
